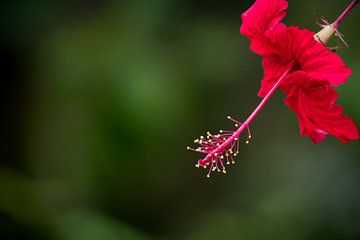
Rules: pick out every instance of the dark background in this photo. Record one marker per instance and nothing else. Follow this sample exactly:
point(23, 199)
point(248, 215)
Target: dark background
point(99, 100)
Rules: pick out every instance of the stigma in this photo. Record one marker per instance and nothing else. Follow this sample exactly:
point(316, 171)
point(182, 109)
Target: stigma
point(220, 148)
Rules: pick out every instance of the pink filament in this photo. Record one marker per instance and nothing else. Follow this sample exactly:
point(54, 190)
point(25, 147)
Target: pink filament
point(227, 144)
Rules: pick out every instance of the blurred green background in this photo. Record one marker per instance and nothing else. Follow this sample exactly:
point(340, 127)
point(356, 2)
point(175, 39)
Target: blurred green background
point(99, 100)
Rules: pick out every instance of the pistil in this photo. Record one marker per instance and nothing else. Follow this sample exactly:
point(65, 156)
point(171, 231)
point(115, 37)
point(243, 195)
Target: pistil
point(225, 145)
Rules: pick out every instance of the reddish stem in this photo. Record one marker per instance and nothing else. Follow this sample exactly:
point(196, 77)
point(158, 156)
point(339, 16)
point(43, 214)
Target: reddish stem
point(249, 119)
point(346, 12)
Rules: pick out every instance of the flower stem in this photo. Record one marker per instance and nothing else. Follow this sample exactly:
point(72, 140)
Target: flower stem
point(346, 12)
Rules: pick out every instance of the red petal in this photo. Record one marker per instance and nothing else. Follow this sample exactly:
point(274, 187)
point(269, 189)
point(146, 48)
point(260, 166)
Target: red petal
point(312, 57)
point(313, 102)
point(261, 17)
point(274, 67)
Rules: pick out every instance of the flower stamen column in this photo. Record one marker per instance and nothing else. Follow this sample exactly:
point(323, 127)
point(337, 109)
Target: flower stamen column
point(225, 145)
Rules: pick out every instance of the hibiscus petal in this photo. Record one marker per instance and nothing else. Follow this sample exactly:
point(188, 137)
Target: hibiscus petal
point(313, 102)
point(312, 57)
point(263, 16)
point(274, 67)
point(324, 64)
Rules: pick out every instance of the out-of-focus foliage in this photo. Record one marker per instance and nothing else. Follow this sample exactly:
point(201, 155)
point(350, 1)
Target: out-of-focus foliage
point(100, 99)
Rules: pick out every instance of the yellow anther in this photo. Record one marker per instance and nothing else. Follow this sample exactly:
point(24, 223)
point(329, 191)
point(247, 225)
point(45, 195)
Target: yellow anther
point(247, 142)
point(188, 148)
point(197, 165)
point(224, 171)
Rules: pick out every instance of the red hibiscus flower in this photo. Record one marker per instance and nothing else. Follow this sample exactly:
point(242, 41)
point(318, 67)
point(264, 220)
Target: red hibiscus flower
point(316, 70)
point(297, 61)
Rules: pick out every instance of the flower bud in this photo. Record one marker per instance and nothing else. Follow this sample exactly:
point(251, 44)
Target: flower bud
point(325, 34)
